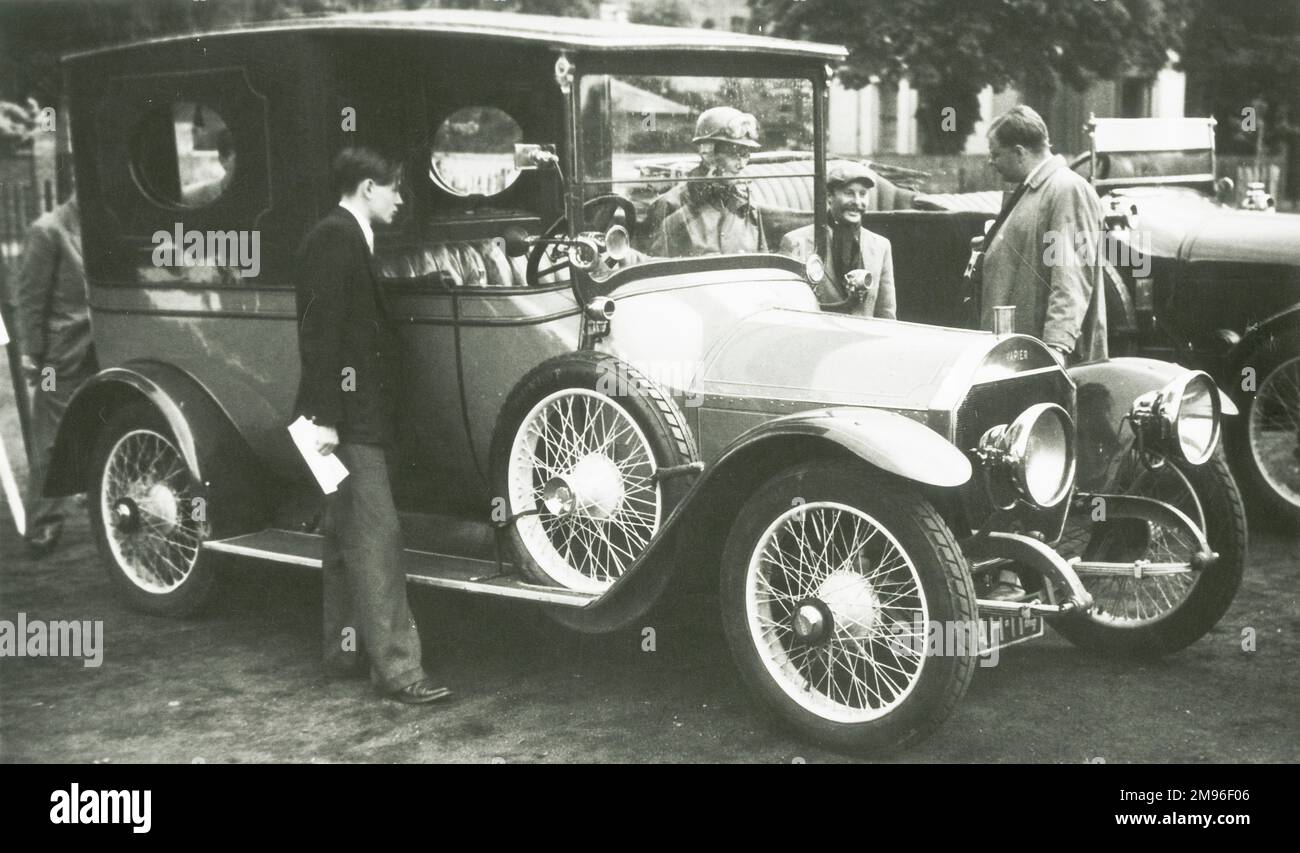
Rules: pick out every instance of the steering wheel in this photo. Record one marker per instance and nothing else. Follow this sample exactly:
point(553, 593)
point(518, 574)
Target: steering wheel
point(600, 213)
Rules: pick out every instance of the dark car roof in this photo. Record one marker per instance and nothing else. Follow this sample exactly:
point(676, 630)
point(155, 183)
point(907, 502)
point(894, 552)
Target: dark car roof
point(572, 33)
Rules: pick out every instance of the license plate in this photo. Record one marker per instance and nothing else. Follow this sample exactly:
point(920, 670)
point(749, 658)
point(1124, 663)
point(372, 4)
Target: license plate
point(1000, 631)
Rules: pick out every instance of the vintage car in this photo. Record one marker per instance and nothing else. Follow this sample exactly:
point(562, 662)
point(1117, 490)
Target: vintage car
point(1189, 278)
point(585, 426)
point(1208, 285)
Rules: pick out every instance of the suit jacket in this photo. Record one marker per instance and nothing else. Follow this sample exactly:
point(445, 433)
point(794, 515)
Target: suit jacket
point(53, 314)
point(1044, 259)
point(877, 258)
point(347, 344)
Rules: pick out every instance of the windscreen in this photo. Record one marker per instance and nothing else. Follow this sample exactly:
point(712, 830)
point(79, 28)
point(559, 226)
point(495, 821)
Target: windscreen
point(712, 165)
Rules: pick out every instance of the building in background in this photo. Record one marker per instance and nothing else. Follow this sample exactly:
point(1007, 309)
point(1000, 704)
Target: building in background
point(879, 119)
point(730, 15)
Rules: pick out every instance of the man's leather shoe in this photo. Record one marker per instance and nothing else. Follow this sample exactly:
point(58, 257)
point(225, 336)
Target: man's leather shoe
point(1004, 591)
point(420, 693)
point(1007, 588)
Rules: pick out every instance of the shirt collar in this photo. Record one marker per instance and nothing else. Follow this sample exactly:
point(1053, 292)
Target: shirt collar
point(364, 222)
point(1043, 169)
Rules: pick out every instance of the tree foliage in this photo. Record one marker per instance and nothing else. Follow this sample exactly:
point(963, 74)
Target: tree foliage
point(1238, 55)
point(665, 13)
point(951, 49)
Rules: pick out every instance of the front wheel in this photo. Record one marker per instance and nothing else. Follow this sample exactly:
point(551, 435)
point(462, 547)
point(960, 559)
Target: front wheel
point(147, 516)
point(834, 583)
point(1160, 613)
point(1264, 439)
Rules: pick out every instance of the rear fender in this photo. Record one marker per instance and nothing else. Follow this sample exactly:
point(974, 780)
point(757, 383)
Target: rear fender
point(215, 454)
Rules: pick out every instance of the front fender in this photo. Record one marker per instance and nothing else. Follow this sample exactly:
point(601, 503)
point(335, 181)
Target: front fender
point(883, 439)
point(1106, 391)
point(1257, 339)
point(698, 526)
point(216, 455)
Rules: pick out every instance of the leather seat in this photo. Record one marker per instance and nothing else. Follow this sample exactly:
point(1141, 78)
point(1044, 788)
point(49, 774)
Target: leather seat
point(462, 263)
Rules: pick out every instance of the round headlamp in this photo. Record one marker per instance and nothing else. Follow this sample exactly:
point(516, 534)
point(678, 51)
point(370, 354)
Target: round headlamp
point(1181, 419)
point(617, 243)
point(1031, 459)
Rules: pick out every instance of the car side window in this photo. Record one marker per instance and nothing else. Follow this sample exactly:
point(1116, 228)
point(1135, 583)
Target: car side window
point(473, 152)
point(182, 164)
point(184, 155)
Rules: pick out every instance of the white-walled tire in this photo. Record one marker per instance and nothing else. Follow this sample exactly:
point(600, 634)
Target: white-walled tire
point(833, 581)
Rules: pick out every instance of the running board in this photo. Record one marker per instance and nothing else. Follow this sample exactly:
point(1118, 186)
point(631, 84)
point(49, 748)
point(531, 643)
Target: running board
point(444, 571)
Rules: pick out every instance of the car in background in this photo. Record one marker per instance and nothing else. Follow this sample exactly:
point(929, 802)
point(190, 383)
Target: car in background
point(1208, 284)
point(1189, 277)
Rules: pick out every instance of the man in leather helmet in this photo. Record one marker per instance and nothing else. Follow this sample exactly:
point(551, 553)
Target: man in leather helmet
point(702, 217)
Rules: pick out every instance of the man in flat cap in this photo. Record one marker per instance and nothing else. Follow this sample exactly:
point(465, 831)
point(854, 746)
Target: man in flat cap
point(859, 276)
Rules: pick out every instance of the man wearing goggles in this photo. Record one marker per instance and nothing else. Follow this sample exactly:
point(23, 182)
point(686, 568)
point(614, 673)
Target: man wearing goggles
point(711, 217)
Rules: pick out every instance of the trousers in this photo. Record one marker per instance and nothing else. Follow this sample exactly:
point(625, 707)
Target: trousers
point(50, 398)
point(366, 614)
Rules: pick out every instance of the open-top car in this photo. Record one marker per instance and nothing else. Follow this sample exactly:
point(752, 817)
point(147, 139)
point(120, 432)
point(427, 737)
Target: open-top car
point(588, 418)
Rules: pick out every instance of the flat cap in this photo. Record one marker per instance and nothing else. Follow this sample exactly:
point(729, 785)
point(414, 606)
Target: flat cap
point(843, 172)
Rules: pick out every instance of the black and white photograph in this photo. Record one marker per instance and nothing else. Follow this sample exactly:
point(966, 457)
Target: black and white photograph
point(651, 382)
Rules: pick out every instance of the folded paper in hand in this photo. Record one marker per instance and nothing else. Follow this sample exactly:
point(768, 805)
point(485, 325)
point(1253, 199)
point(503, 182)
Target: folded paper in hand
point(328, 470)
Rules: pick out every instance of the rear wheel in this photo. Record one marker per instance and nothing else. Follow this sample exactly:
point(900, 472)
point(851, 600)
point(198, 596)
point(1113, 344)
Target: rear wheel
point(832, 583)
point(1160, 613)
point(146, 515)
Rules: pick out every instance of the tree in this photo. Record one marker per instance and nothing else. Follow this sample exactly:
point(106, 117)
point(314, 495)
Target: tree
point(665, 13)
point(1239, 58)
point(951, 49)
point(35, 33)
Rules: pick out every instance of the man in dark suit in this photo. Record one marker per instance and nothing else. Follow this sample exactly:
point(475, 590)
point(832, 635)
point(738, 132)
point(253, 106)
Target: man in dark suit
point(349, 350)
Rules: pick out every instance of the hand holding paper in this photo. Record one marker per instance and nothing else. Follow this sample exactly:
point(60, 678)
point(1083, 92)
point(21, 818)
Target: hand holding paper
point(327, 469)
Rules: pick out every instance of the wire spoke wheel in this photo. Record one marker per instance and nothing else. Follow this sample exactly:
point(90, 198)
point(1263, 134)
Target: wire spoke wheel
point(581, 478)
point(838, 588)
point(1274, 431)
point(1123, 600)
point(836, 612)
point(1159, 612)
point(145, 504)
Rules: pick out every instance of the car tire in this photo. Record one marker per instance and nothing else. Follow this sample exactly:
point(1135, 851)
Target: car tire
point(1264, 439)
point(146, 523)
point(788, 665)
point(1192, 608)
point(598, 431)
